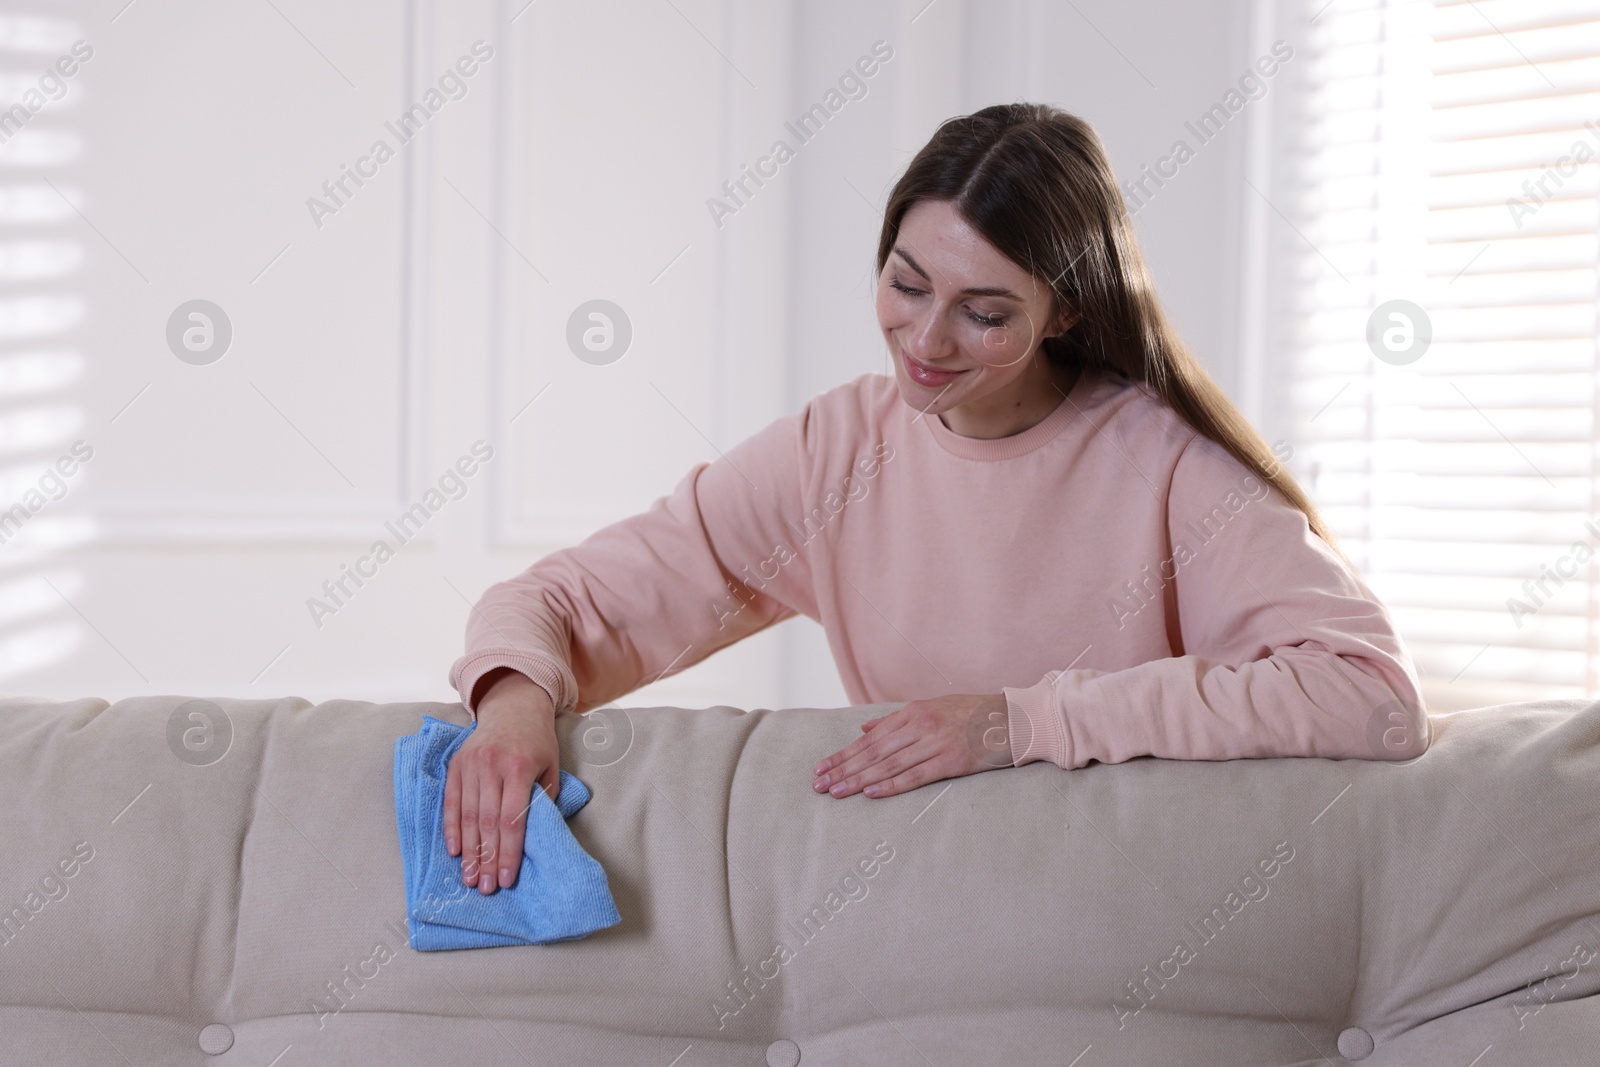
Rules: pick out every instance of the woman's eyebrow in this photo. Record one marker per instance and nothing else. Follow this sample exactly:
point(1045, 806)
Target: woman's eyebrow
point(984, 290)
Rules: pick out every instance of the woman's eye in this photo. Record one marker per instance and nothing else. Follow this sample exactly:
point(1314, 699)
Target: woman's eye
point(990, 321)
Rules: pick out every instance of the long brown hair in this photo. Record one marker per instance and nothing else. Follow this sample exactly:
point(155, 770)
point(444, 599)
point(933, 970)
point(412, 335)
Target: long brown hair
point(1035, 182)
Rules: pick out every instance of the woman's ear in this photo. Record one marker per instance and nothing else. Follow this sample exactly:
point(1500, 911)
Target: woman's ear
point(1065, 320)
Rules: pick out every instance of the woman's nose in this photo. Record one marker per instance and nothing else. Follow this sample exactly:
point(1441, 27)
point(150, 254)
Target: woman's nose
point(925, 338)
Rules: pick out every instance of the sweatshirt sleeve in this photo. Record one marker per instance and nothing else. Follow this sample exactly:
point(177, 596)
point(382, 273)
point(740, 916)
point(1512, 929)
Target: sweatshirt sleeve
point(1282, 649)
point(656, 592)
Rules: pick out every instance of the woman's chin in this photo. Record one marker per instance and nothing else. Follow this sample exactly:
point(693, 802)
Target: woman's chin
point(922, 398)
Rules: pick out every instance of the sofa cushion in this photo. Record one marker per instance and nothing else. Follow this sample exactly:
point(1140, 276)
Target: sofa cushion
point(193, 881)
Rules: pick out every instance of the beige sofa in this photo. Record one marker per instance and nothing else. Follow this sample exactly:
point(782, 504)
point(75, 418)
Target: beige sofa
point(218, 882)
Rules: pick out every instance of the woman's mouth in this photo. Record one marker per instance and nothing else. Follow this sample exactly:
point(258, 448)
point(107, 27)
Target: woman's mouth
point(923, 374)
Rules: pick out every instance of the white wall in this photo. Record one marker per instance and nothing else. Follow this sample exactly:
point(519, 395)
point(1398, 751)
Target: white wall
point(370, 353)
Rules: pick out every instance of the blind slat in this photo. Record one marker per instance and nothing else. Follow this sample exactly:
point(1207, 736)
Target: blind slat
point(1449, 154)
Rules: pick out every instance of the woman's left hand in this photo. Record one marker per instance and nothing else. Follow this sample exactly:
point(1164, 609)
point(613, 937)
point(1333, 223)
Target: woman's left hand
point(925, 741)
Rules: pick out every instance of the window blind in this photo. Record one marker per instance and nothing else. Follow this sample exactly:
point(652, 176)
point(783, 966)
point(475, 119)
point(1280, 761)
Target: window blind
point(1445, 154)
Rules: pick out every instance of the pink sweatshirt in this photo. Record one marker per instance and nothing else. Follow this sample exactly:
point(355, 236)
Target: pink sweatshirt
point(1127, 584)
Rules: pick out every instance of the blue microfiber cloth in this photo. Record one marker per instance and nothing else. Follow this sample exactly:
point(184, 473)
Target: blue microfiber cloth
point(560, 893)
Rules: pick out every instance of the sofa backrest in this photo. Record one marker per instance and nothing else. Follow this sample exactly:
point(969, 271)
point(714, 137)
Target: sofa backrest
point(218, 881)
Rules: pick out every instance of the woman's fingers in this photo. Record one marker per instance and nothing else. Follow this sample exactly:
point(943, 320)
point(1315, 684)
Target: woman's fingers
point(885, 743)
point(923, 741)
point(918, 753)
point(860, 744)
point(914, 777)
point(452, 808)
point(489, 798)
point(516, 798)
point(469, 815)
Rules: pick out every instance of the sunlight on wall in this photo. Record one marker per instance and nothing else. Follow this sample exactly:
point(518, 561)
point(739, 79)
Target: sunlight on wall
point(41, 308)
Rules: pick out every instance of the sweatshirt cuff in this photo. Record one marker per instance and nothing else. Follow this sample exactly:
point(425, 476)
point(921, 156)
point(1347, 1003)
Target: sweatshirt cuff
point(471, 669)
point(1036, 726)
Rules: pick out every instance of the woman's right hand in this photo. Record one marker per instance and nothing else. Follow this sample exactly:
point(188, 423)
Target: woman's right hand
point(491, 778)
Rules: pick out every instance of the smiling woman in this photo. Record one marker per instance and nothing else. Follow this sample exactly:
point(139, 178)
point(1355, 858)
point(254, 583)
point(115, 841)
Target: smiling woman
point(1051, 436)
point(991, 328)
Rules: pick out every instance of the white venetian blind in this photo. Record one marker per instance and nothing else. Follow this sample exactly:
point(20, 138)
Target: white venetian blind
point(1445, 154)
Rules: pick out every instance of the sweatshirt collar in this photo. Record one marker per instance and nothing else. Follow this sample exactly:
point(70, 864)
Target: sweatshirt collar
point(1017, 444)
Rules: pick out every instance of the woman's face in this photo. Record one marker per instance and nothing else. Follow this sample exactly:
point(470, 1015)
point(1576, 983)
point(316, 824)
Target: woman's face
point(963, 322)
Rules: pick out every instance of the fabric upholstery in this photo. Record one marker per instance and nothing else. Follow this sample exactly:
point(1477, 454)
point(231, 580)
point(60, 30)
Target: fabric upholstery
point(236, 895)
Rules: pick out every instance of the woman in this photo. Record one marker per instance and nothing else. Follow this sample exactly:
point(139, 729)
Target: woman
point(1049, 531)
